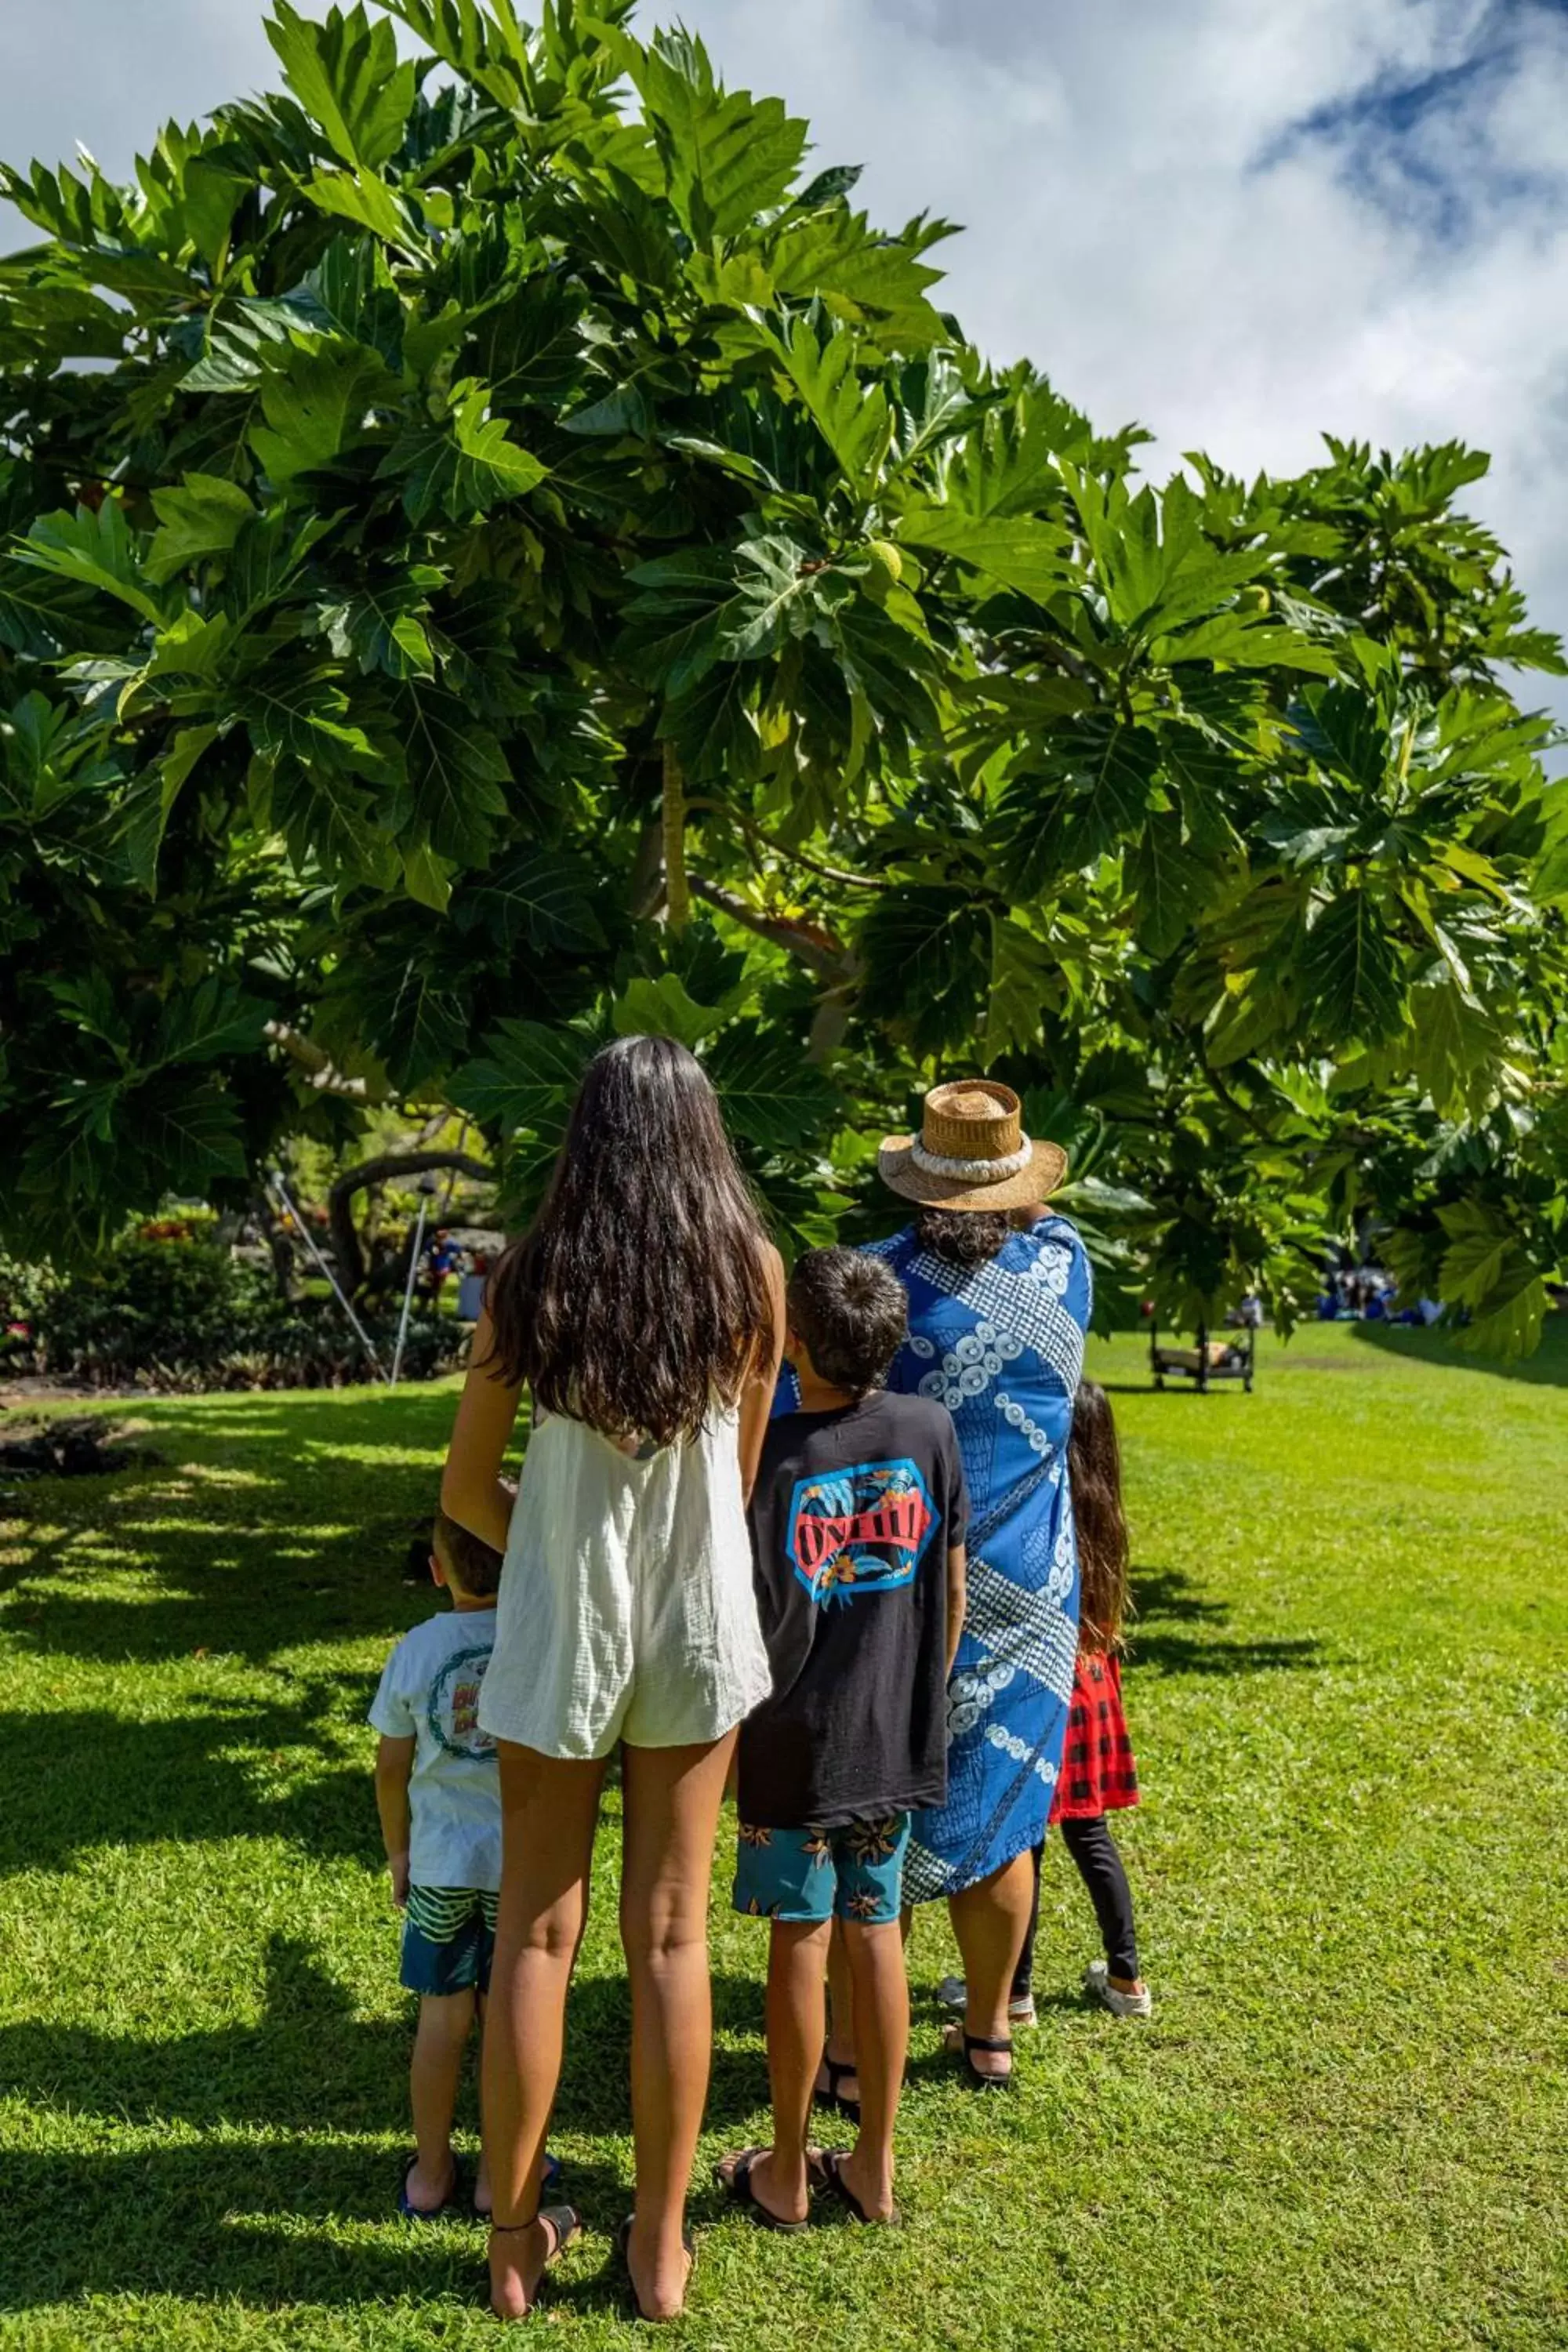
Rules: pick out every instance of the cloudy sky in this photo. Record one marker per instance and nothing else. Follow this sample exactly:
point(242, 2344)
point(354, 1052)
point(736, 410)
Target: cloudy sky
point(1241, 225)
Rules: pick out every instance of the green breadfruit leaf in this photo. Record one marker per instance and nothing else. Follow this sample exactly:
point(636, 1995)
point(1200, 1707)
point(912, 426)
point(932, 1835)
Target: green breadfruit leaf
point(346, 75)
point(728, 156)
point(189, 1134)
point(773, 1096)
point(417, 1020)
point(1020, 984)
point(199, 518)
point(1243, 641)
point(1170, 884)
point(526, 1077)
point(926, 950)
point(150, 803)
point(662, 1008)
point(540, 899)
point(365, 199)
point(331, 819)
point(676, 624)
point(773, 597)
point(382, 627)
point(1459, 1049)
point(462, 464)
point(301, 714)
point(99, 551)
point(213, 1019)
point(1087, 798)
point(457, 772)
point(1486, 1270)
point(1352, 977)
point(44, 615)
point(1030, 557)
point(857, 423)
point(315, 409)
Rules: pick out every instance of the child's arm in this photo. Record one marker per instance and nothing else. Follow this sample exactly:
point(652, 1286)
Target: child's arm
point(957, 1599)
point(393, 1769)
point(472, 1488)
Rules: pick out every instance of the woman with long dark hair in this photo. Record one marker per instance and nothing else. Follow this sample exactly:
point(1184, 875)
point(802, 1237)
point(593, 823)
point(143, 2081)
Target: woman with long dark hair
point(643, 1311)
point(999, 1302)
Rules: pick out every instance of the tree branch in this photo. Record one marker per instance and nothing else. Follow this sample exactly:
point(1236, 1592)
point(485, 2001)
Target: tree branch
point(815, 948)
point(753, 831)
point(387, 1169)
point(321, 1072)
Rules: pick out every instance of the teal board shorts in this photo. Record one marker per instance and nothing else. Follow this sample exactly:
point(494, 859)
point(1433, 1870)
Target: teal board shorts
point(449, 1939)
point(853, 1872)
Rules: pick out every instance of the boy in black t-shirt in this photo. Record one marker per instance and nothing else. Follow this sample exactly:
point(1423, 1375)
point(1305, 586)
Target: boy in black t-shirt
point(858, 1525)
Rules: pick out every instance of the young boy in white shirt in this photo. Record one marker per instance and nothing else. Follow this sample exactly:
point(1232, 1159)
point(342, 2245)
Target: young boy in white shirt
point(438, 1794)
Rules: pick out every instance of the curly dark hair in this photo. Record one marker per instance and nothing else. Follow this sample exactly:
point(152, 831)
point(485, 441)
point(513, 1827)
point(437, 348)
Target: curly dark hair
point(963, 1236)
point(1094, 1474)
point(852, 1312)
point(640, 1294)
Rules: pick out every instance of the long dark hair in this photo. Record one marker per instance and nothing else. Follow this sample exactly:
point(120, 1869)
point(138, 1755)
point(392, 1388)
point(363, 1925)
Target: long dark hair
point(1094, 1469)
point(639, 1293)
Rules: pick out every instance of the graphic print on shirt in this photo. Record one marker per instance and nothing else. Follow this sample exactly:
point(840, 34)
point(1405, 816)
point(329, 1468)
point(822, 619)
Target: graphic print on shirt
point(452, 1710)
point(859, 1530)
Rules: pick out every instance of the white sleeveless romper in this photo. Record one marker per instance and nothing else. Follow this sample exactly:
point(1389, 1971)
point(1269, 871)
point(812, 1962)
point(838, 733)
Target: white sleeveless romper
point(626, 1608)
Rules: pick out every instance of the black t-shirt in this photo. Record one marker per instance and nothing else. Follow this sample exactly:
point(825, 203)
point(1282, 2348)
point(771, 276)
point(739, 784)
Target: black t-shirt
point(852, 1519)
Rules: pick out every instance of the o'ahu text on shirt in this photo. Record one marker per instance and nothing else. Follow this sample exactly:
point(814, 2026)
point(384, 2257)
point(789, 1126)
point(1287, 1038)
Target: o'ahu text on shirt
point(859, 1531)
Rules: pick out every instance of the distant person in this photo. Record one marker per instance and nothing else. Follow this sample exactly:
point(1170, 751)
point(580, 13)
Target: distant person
point(1099, 1773)
point(439, 1795)
point(857, 1522)
point(644, 1310)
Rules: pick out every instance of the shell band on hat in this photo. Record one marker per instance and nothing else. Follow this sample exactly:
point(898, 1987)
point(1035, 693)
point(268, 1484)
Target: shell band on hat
point(972, 1171)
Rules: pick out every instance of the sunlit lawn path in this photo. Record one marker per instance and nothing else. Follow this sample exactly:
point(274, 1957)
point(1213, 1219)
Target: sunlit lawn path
point(1347, 2126)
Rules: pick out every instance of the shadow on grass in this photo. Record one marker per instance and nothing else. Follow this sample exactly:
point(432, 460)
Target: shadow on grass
point(1548, 1368)
point(1165, 1598)
point(307, 2064)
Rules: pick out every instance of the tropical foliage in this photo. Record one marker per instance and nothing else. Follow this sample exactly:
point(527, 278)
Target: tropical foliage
point(501, 552)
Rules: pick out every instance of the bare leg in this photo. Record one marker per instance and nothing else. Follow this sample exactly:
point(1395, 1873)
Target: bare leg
point(672, 1800)
point(876, 1956)
point(549, 1809)
point(840, 2042)
point(796, 2022)
point(482, 2177)
point(439, 2041)
point(990, 1921)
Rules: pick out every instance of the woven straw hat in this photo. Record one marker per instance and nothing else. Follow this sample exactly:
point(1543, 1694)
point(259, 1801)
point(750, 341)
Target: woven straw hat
point(972, 1152)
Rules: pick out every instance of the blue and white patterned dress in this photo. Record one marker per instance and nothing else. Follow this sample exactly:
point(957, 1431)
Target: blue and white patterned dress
point(1001, 1345)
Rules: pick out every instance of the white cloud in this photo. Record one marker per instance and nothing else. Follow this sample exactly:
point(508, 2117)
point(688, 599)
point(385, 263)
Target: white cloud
point(1241, 225)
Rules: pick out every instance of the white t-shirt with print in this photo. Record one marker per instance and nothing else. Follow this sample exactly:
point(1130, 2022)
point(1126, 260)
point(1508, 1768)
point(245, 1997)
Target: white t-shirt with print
point(430, 1691)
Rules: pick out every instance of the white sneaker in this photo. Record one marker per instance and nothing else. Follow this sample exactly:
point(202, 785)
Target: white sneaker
point(1097, 1985)
point(951, 1994)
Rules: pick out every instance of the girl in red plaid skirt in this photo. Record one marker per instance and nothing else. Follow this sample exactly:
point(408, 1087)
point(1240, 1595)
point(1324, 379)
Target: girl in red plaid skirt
point(1099, 1773)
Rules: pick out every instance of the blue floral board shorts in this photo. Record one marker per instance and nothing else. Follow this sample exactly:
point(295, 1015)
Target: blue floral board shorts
point(806, 1875)
point(449, 1939)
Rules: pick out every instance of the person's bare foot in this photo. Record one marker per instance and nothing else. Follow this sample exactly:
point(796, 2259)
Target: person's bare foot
point(658, 2279)
point(872, 2191)
point(426, 2194)
point(781, 2200)
point(996, 2064)
point(521, 2256)
point(836, 2080)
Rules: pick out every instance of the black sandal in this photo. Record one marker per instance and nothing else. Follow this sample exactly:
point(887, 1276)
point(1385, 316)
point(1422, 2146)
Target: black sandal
point(832, 2102)
point(833, 2175)
point(973, 2076)
point(564, 2224)
point(623, 2248)
point(736, 2185)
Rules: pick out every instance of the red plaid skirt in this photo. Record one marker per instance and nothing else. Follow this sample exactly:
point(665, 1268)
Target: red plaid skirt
point(1100, 1772)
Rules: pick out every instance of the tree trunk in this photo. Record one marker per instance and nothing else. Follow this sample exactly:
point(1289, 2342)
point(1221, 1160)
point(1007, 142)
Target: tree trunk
point(677, 894)
point(389, 1169)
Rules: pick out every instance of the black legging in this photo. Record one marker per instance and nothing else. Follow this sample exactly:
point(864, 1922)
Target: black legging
point(1093, 1849)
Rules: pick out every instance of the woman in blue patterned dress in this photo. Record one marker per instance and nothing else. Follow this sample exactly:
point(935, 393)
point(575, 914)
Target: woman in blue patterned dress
point(1000, 1296)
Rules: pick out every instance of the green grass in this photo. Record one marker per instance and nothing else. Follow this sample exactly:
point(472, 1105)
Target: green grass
point(1347, 2126)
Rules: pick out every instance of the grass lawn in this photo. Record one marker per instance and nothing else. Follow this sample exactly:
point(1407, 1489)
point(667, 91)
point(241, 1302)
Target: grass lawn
point(1347, 2126)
